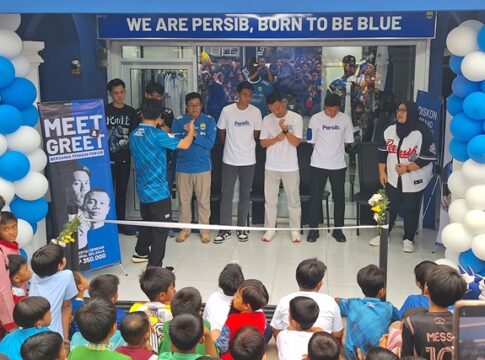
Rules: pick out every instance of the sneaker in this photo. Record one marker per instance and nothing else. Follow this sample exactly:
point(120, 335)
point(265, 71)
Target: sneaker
point(313, 235)
point(205, 237)
point(170, 268)
point(222, 236)
point(268, 236)
point(339, 236)
point(182, 236)
point(375, 241)
point(295, 237)
point(137, 258)
point(408, 246)
point(242, 235)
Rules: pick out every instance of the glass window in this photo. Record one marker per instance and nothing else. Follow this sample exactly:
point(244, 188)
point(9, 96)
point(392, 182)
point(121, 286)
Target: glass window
point(157, 52)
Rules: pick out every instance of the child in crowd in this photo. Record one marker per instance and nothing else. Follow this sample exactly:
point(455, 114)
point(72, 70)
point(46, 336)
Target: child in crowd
point(19, 273)
point(292, 342)
point(82, 284)
point(219, 302)
point(57, 285)
point(421, 272)
point(248, 344)
point(47, 345)
point(379, 353)
point(430, 334)
point(309, 276)
point(188, 301)
point(106, 287)
point(135, 329)
point(158, 284)
point(8, 233)
point(323, 346)
point(368, 318)
point(97, 322)
point(251, 297)
point(33, 316)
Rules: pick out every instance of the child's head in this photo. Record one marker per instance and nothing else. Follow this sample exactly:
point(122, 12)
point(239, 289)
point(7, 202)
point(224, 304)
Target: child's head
point(82, 283)
point(421, 272)
point(186, 301)
point(158, 284)
point(96, 320)
point(247, 344)
point(380, 354)
point(32, 311)
point(310, 273)
point(18, 270)
point(135, 328)
point(251, 296)
point(48, 260)
point(47, 345)
point(186, 331)
point(230, 278)
point(372, 281)
point(323, 346)
point(304, 312)
point(8, 226)
point(104, 287)
point(445, 286)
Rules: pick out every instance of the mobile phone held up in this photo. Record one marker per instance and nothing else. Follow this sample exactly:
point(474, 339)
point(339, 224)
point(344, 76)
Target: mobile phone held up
point(469, 329)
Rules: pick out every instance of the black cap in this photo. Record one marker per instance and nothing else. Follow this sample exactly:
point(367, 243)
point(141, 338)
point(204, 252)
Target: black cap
point(349, 59)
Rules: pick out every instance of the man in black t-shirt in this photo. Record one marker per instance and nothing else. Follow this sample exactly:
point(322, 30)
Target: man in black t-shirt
point(119, 122)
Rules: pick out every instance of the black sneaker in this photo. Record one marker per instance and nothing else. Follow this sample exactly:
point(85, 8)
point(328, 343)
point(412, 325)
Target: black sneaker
point(313, 235)
point(242, 235)
point(222, 236)
point(339, 236)
point(137, 258)
point(170, 268)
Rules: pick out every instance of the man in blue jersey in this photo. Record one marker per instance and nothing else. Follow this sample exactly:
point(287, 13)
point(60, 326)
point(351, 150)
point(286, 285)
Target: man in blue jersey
point(261, 88)
point(149, 146)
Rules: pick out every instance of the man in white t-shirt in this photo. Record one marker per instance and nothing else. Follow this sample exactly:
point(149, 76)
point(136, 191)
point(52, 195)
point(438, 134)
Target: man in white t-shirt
point(309, 276)
point(281, 133)
point(239, 125)
point(330, 131)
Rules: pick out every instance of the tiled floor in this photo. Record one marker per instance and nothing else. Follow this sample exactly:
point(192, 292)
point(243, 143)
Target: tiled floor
point(275, 263)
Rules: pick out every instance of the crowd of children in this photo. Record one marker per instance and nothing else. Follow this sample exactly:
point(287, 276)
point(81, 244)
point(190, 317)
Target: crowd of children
point(45, 315)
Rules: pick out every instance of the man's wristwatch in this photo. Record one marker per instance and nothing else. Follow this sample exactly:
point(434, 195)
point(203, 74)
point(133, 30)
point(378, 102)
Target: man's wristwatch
point(408, 169)
point(285, 131)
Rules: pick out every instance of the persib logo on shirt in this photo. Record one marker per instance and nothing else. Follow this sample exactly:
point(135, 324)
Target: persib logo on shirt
point(241, 123)
point(333, 127)
point(202, 126)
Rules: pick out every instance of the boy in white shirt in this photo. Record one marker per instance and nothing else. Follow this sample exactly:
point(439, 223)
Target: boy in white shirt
point(239, 125)
point(281, 133)
point(309, 276)
point(292, 342)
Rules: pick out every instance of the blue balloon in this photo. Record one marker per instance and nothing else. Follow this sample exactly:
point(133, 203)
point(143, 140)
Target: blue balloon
point(462, 86)
point(455, 64)
point(34, 227)
point(473, 105)
point(7, 71)
point(476, 149)
point(454, 104)
point(30, 116)
point(14, 165)
point(482, 86)
point(464, 129)
point(468, 259)
point(30, 211)
point(10, 119)
point(481, 38)
point(458, 150)
point(21, 93)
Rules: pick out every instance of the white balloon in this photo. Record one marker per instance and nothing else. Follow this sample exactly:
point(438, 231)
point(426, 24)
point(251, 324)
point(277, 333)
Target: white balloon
point(10, 44)
point(473, 66)
point(457, 210)
point(21, 65)
point(457, 184)
point(31, 187)
point(7, 190)
point(452, 256)
point(474, 24)
point(478, 246)
point(475, 197)
point(474, 221)
point(462, 40)
point(473, 172)
point(26, 139)
point(3, 144)
point(447, 263)
point(456, 238)
point(37, 160)
point(10, 21)
point(25, 233)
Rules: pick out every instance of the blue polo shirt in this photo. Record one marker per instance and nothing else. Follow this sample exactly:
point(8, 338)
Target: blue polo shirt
point(148, 149)
point(261, 88)
point(197, 158)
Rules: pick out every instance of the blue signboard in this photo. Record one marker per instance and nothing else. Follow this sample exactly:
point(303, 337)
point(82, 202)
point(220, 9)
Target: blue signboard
point(79, 173)
point(268, 26)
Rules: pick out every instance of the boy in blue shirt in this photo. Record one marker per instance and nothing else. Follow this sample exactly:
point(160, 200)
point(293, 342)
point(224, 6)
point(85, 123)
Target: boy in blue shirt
point(368, 318)
point(194, 165)
point(421, 272)
point(47, 345)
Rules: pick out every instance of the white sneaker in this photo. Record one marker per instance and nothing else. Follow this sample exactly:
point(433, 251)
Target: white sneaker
point(295, 237)
point(408, 246)
point(268, 236)
point(375, 241)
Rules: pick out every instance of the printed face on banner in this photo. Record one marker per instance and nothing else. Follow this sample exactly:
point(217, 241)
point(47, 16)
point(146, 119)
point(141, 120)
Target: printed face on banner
point(96, 205)
point(80, 186)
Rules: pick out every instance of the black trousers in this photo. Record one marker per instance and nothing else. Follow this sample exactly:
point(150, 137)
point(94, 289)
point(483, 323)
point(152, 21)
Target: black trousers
point(156, 238)
point(337, 183)
point(411, 204)
point(120, 171)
